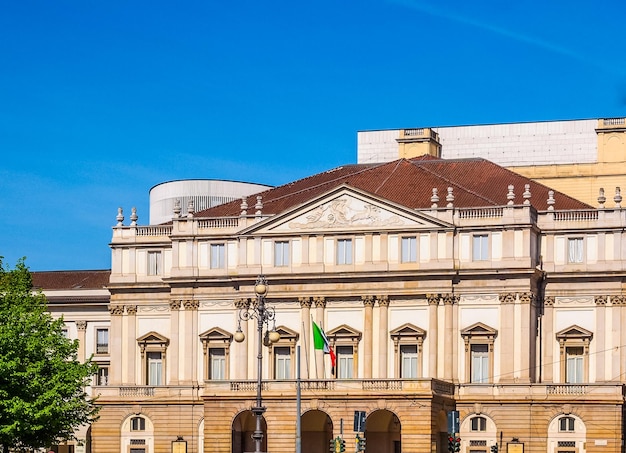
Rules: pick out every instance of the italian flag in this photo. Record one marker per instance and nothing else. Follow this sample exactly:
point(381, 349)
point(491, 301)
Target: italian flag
point(321, 342)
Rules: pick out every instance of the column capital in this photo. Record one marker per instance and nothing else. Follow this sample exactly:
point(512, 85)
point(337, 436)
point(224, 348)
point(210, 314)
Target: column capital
point(320, 301)
point(548, 301)
point(433, 299)
point(526, 298)
point(116, 310)
point(305, 302)
point(175, 304)
point(368, 301)
point(81, 325)
point(618, 300)
point(191, 304)
point(242, 304)
point(131, 310)
point(383, 301)
point(450, 299)
point(600, 300)
point(507, 298)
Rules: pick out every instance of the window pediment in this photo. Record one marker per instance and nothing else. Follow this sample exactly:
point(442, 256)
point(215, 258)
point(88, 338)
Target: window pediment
point(407, 331)
point(216, 335)
point(479, 330)
point(344, 332)
point(574, 333)
point(287, 334)
point(153, 338)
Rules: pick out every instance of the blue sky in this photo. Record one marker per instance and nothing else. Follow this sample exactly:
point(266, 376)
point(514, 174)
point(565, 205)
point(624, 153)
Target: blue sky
point(101, 100)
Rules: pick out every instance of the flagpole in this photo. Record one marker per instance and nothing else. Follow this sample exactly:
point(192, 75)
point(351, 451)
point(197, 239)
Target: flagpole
point(314, 355)
point(308, 356)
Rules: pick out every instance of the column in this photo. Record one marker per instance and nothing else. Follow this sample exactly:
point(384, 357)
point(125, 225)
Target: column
point(81, 326)
point(131, 345)
point(507, 337)
point(448, 351)
point(189, 350)
point(527, 338)
point(320, 304)
point(239, 365)
point(548, 339)
point(618, 317)
point(305, 340)
point(383, 336)
point(173, 366)
point(115, 339)
point(368, 356)
point(433, 333)
point(601, 339)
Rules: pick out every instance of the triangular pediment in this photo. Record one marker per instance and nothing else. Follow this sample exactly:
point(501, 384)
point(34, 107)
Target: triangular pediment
point(345, 209)
point(153, 338)
point(287, 334)
point(407, 330)
point(574, 332)
point(216, 334)
point(479, 330)
point(343, 331)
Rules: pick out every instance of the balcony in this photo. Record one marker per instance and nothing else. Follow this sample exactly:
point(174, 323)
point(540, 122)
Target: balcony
point(605, 392)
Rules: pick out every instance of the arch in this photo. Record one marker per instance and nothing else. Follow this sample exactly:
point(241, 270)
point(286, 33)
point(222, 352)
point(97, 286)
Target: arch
point(566, 437)
point(316, 430)
point(137, 430)
point(383, 431)
point(243, 425)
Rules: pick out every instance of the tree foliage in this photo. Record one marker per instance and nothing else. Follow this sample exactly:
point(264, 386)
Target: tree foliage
point(42, 382)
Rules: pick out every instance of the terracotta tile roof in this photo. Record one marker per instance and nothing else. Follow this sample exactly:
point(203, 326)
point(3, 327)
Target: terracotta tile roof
point(476, 182)
point(59, 280)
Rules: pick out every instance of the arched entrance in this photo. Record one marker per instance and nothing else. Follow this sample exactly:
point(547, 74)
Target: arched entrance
point(244, 425)
point(317, 431)
point(383, 432)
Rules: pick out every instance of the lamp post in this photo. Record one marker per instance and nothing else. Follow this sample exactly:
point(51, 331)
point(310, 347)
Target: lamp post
point(263, 315)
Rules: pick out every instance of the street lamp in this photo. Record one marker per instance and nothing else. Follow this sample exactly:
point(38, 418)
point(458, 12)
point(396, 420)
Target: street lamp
point(263, 315)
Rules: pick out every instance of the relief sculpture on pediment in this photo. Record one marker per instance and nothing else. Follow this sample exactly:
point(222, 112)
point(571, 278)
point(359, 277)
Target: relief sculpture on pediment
point(339, 212)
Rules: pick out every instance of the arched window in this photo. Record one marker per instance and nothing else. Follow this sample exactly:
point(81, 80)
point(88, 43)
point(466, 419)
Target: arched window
point(137, 424)
point(479, 424)
point(567, 424)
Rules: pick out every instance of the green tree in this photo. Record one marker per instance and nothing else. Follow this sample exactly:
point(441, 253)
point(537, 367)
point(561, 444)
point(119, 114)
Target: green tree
point(42, 382)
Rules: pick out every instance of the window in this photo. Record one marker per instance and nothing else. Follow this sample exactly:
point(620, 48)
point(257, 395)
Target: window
point(103, 375)
point(345, 362)
point(282, 363)
point(137, 424)
point(155, 368)
point(218, 253)
point(154, 263)
point(574, 367)
point(408, 361)
point(102, 341)
point(480, 363)
point(281, 253)
point(566, 424)
point(480, 247)
point(344, 251)
point(479, 424)
point(575, 250)
point(216, 347)
point(153, 363)
point(409, 250)
point(479, 341)
point(574, 343)
point(217, 363)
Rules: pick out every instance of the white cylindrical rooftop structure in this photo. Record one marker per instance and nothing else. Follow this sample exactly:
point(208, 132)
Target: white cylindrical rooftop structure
point(205, 193)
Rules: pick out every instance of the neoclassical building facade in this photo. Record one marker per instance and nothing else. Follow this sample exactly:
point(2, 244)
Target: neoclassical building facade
point(440, 284)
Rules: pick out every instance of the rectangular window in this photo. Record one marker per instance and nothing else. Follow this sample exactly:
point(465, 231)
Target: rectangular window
point(282, 357)
point(575, 250)
point(480, 247)
point(103, 375)
point(217, 363)
point(344, 251)
point(281, 253)
point(409, 250)
point(566, 424)
point(574, 358)
point(218, 254)
point(154, 263)
point(408, 361)
point(155, 368)
point(480, 363)
point(102, 341)
point(345, 362)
